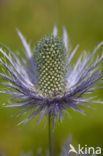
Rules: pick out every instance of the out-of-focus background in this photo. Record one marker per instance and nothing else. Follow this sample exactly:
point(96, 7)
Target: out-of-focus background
point(36, 18)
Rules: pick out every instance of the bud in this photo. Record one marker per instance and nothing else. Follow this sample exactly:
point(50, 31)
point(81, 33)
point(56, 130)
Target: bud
point(50, 63)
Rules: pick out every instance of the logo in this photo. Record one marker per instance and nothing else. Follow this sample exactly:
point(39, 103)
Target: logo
point(72, 149)
point(84, 150)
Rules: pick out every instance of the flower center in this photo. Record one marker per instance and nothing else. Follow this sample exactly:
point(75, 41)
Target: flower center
point(50, 62)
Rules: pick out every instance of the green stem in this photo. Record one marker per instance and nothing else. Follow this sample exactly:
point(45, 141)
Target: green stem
point(51, 136)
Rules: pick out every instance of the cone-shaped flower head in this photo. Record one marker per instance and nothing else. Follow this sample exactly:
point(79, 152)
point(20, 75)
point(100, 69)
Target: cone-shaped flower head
point(47, 81)
point(49, 55)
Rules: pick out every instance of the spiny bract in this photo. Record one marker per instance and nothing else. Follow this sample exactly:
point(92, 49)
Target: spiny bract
point(46, 81)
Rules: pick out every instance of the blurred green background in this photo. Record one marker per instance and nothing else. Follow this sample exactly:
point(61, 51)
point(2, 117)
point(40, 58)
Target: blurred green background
point(35, 18)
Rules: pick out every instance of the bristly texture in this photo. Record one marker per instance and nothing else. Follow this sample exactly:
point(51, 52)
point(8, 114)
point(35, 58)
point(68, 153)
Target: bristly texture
point(46, 81)
point(49, 55)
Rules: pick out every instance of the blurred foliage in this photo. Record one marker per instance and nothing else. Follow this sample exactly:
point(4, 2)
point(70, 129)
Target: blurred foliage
point(35, 18)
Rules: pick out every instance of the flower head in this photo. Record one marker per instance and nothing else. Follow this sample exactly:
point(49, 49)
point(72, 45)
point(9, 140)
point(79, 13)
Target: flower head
point(46, 81)
point(49, 56)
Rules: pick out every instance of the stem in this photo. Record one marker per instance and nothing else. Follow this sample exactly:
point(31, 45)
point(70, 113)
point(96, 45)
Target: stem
point(51, 136)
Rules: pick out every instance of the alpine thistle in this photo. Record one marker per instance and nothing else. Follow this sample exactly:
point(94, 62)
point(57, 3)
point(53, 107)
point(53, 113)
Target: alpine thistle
point(46, 81)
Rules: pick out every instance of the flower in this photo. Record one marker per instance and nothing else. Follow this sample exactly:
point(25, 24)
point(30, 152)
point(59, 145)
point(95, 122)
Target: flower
point(46, 81)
